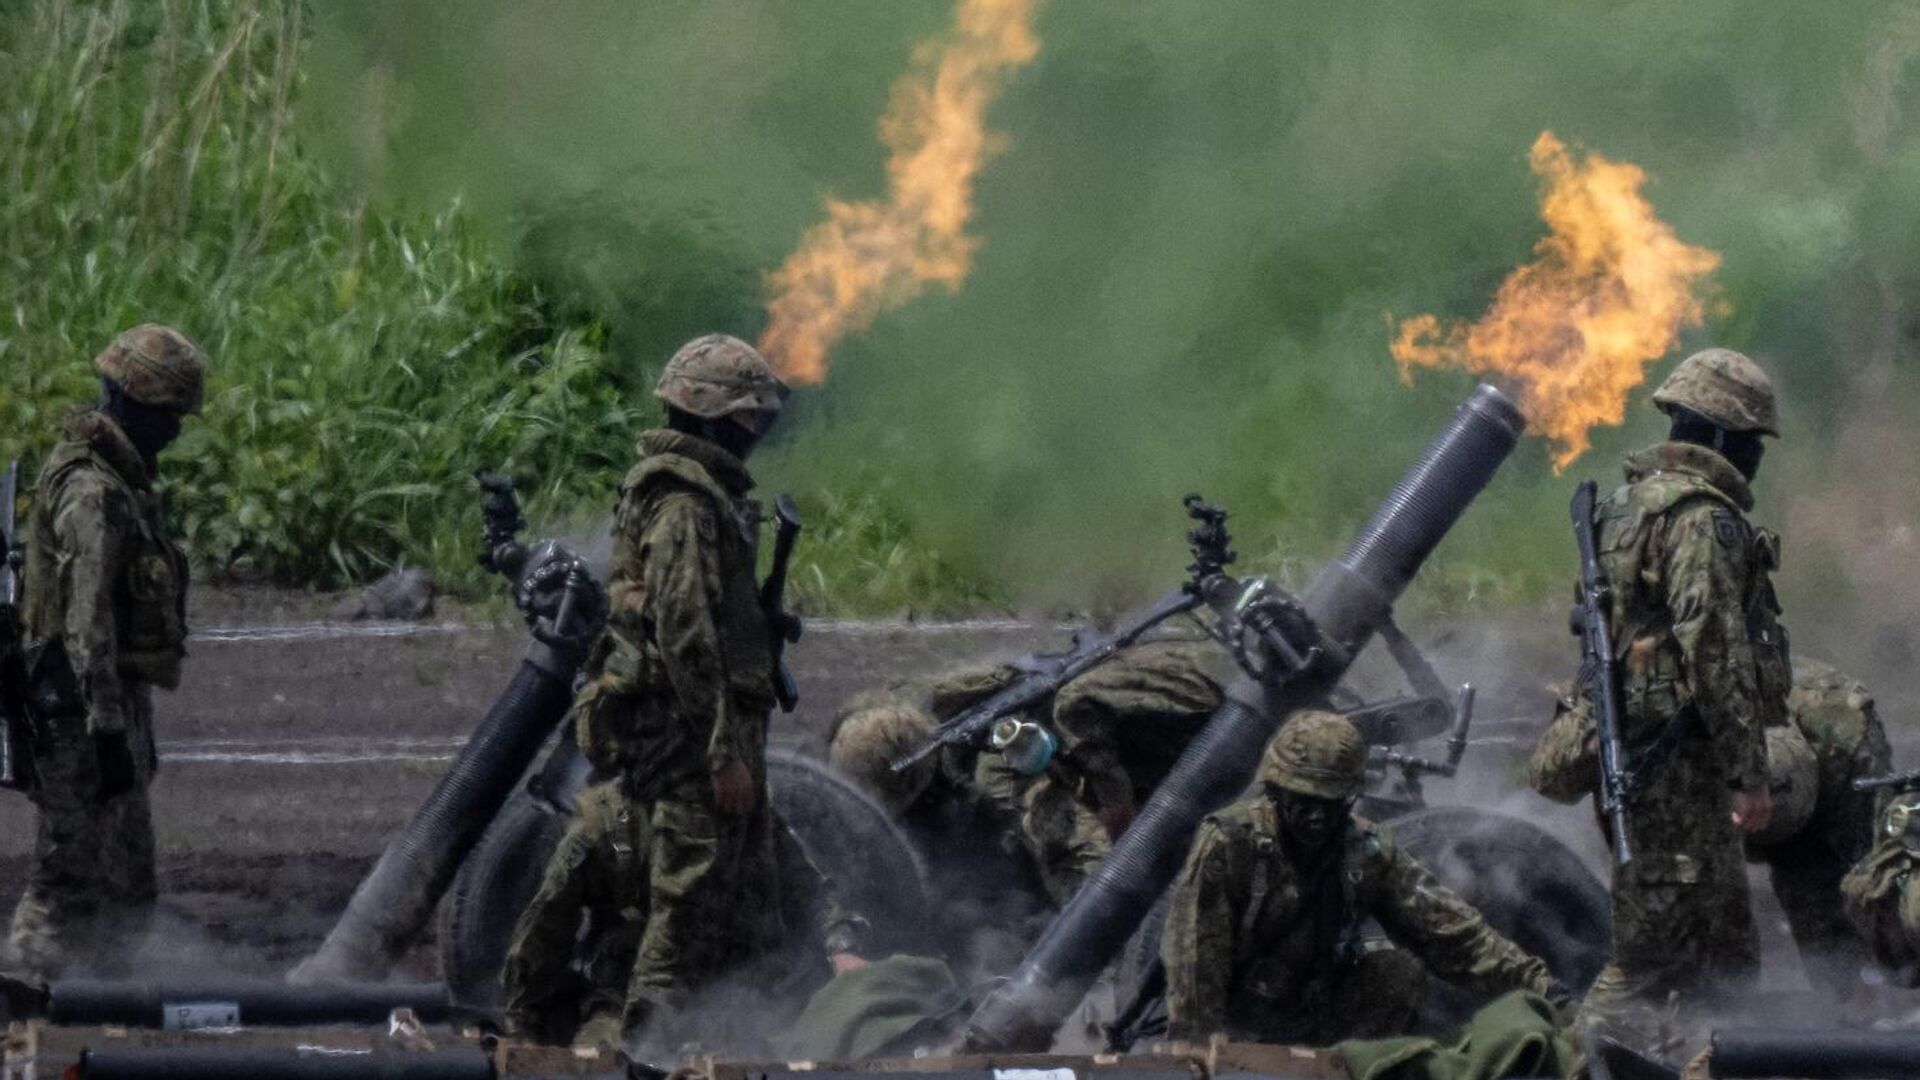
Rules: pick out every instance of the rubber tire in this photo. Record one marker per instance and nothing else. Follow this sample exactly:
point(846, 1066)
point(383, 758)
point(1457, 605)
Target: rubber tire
point(1527, 884)
point(877, 869)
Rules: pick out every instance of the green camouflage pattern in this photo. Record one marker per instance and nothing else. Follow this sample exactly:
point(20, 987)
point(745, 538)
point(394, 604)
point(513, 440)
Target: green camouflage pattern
point(872, 732)
point(1881, 895)
point(1725, 387)
point(1122, 725)
point(1698, 644)
point(104, 578)
point(1266, 947)
point(717, 375)
point(1320, 754)
point(156, 365)
point(573, 947)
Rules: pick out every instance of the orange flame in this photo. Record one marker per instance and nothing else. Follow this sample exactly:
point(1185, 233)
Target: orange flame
point(1574, 330)
point(871, 257)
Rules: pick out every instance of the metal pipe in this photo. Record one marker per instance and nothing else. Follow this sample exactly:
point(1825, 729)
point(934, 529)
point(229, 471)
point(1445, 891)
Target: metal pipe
point(189, 1004)
point(155, 1063)
point(1815, 1055)
point(1348, 601)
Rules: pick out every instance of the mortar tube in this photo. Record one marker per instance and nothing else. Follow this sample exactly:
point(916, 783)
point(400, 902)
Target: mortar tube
point(1348, 601)
point(398, 896)
point(252, 1003)
point(1815, 1055)
point(157, 1063)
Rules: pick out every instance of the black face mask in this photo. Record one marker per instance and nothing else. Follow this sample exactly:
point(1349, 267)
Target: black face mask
point(734, 438)
point(1309, 824)
point(1742, 449)
point(150, 428)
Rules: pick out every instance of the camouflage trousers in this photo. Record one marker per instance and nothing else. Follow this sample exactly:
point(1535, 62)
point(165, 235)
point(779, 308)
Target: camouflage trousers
point(1378, 995)
point(91, 889)
point(1057, 835)
point(712, 897)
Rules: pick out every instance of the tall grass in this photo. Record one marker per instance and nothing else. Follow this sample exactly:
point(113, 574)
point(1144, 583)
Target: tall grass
point(364, 362)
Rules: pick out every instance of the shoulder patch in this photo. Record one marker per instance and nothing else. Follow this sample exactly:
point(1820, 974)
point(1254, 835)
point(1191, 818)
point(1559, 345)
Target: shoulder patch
point(1727, 530)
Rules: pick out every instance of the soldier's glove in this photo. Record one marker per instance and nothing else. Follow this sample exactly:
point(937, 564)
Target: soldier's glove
point(115, 761)
point(1562, 1000)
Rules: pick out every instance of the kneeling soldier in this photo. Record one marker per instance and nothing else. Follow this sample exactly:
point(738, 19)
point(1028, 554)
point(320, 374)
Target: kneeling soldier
point(1263, 935)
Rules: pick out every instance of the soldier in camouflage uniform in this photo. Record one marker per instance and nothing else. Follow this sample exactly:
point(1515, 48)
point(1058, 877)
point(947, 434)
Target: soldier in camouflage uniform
point(1703, 673)
point(680, 686)
point(105, 582)
point(573, 948)
point(1881, 893)
point(1263, 934)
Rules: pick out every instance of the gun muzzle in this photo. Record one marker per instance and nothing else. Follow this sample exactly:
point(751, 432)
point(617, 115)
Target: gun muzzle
point(1348, 602)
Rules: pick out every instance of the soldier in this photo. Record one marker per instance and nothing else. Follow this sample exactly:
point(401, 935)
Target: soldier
point(1703, 673)
point(105, 582)
point(680, 685)
point(1263, 934)
point(1882, 892)
point(573, 948)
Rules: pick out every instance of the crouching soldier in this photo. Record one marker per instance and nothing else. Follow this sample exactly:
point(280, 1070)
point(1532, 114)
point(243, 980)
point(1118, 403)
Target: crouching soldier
point(104, 582)
point(1263, 936)
point(574, 946)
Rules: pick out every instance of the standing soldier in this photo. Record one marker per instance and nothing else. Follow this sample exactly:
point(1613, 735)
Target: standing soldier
point(105, 583)
point(1263, 934)
point(1704, 672)
point(681, 684)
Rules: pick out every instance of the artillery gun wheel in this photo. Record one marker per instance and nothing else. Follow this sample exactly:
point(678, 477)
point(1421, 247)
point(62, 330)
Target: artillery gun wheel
point(849, 836)
point(1528, 884)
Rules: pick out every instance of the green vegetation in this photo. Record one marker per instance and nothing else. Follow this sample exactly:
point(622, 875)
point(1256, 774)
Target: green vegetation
point(420, 239)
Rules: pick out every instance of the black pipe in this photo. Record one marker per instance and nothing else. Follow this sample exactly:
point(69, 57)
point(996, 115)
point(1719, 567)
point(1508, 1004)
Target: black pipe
point(1347, 601)
point(398, 896)
point(155, 1063)
point(1815, 1055)
point(238, 1003)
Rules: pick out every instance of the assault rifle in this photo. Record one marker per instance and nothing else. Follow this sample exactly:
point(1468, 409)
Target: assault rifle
point(786, 627)
point(1590, 623)
point(1900, 781)
point(1046, 674)
point(14, 762)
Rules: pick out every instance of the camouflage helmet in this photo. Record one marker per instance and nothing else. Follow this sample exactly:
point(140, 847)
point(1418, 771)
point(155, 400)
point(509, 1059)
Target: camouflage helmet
point(875, 731)
point(1316, 753)
point(156, 365)
point(1793, 778)
point(716, 376)
point(1725, 387)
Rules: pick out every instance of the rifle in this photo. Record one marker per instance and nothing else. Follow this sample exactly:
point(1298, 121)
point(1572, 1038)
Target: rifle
point(1900, 781)
point(1046, 674)
point(773, 600)
point(16, 764)
point(1590, 623)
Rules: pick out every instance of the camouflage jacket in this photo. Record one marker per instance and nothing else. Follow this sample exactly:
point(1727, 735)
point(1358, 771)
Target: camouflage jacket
point(1837, 714)
point(102, 574)
point(681, 681)
point(1255, 941)
point(1703, 661)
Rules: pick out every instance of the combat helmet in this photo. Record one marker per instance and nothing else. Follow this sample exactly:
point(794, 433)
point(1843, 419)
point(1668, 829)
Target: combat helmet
point(1725, 387)
point(1320, 754)
point(1793, 778)
point(716, 376)
point(875, 731)
point(158, 366)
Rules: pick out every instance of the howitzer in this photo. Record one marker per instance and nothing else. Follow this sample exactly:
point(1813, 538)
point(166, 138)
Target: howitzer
point(1294, 651)
point(1591, 623)
point(1046, 674)
point(785, 628)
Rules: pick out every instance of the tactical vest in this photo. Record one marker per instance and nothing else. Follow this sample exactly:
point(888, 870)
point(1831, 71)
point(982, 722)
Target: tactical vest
point(626, 719)
point(1654, 685)
point(150, 593)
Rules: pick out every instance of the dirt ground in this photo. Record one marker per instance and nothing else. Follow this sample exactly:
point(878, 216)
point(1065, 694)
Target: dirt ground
point(295, 747)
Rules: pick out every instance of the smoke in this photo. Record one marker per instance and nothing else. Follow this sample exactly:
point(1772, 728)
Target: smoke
point(1185, 249)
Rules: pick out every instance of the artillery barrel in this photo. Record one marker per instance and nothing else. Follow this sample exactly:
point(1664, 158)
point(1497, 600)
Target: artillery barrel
point(1815, 1055)
point(237, 1003)
point(1348, 601)
point(156, 1063)
point(398, 896)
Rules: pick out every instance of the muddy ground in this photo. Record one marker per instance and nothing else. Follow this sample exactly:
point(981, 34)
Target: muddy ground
point(295, 747)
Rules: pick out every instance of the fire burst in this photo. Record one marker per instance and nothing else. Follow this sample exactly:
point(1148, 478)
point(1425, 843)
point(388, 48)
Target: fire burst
point(871, 257)
point(1574, 331)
